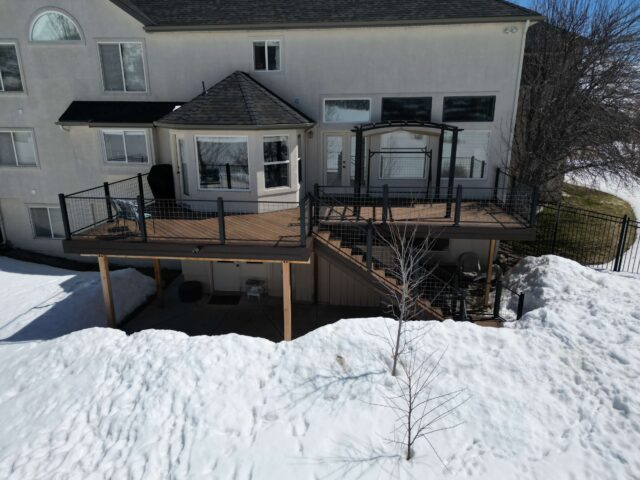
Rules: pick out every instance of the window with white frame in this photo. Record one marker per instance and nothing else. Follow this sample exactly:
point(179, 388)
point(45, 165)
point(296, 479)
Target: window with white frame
point(10, 75)
point(266, 55)
point(346, 110)
point(122, 66)
point(54, 26)
point(125, 146)
point(276, 161)
point(223, 162)
point(17, 149)
point(46, 222)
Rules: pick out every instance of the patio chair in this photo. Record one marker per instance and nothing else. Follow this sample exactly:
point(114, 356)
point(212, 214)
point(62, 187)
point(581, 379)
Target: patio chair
point(128, 210)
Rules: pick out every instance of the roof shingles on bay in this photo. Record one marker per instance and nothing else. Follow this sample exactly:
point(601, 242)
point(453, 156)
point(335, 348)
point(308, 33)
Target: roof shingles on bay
point(229, 14)
point(237, 101)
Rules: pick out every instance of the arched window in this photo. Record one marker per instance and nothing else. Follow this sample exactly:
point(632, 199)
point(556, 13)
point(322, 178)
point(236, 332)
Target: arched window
point(52, 26)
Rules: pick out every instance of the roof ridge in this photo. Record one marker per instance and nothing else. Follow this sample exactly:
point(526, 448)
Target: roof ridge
point(244, 97)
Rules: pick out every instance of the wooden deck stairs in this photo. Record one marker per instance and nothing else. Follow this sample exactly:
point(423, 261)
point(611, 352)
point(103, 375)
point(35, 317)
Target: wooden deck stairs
point(332, 247)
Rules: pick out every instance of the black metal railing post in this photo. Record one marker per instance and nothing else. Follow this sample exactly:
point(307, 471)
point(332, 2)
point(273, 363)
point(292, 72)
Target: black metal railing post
point(471, 167)
point(496, 185)
point(140, 186)
point(617, 264)
point(221, 232)
point(497, 299)
point(369, 245)
point(520, 311)
point(141, 220)
point(458, 211)
point(303, 227)
point(228, 171)
point(535, 195)
point(107, 197)
point(316, 204)
point(385, 202)
point(482, 167)
point(65, 216)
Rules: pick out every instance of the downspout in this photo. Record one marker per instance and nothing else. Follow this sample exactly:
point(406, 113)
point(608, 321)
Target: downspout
point(516, 96)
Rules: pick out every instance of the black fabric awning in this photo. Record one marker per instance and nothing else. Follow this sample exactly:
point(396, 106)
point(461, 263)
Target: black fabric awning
point(115, 113)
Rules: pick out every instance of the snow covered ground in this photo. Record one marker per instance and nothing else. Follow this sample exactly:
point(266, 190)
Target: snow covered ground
point(38, 302)
point(554, 397)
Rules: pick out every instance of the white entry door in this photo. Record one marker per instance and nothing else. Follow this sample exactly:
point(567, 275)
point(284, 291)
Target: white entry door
point(339, 159)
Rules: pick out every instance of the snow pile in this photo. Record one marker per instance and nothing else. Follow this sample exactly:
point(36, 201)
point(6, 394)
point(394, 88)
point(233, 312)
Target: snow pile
point(556, 398)
point(42, 302)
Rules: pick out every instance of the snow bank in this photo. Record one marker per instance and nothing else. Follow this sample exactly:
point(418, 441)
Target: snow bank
point(42, 302)
point(556, 398)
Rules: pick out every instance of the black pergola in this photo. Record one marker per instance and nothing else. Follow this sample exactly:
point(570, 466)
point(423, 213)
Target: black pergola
point(359, 130)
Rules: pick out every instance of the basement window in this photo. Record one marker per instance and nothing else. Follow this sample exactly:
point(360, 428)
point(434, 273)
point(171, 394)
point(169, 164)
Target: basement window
point(46, 222)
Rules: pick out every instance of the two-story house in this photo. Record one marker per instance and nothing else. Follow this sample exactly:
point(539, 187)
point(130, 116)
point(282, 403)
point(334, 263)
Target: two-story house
point(288, 131)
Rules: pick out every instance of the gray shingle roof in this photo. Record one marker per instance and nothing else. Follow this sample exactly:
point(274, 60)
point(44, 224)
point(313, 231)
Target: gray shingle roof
point(237, 101)
point(230, 14)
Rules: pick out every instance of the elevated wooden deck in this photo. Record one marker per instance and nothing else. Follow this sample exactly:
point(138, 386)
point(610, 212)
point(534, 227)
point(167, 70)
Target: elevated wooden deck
point(179, 232)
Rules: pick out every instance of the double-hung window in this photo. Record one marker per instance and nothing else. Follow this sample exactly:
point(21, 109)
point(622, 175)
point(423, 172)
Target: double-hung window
point(17, 149)
point(46, 222)
point(122, 66)
point(276, 161)
point(125, 146)
point(266, 55)
point(10, 76)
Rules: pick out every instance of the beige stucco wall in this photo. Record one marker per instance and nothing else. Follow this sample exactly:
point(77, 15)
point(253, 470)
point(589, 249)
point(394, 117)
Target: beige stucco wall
point(435, 61)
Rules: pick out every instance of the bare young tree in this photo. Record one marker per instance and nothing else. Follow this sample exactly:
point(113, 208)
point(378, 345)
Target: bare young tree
point(579, 108)
point(419, 410)
point(409, 256)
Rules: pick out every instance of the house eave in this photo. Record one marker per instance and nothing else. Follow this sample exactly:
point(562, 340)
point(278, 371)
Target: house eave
point(105, 124)
point(288, 126)
point(327, 25)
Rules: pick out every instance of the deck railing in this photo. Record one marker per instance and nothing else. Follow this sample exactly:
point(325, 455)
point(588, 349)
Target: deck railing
point(127, 210)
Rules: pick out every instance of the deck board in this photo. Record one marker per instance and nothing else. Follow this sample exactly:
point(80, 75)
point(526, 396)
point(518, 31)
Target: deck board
point(282, 228)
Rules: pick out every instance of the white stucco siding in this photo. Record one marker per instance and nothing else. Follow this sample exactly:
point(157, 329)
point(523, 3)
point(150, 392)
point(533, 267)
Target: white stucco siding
point(435, 61)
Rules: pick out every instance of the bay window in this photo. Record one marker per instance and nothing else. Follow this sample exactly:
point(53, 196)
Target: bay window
point(223, 162)
point(276, 161)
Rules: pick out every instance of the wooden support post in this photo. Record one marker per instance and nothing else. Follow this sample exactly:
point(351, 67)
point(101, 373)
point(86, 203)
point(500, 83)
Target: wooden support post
point(286, 299)
point(487, 287)
point(103, 264)
point(157, 273)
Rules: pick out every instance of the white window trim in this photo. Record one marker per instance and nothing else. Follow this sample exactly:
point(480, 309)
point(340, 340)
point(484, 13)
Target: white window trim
point(33, 227)
point(324, 109)
point(12, 131)
point(210, 189)
point(122, 131)
point(24, 85)
point(124, 83)
point(265, 164)
point(44, 11)
point(266, 56)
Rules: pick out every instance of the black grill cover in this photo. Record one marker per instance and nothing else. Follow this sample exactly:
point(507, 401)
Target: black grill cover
point(161, 182)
